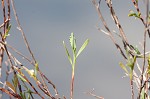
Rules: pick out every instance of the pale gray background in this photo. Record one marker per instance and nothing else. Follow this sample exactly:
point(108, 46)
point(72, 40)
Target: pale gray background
point(48, 22)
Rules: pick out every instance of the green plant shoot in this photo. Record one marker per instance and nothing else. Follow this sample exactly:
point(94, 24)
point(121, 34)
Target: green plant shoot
point(72, 61)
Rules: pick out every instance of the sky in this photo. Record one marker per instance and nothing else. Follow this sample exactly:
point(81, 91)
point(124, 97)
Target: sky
point(47, 23)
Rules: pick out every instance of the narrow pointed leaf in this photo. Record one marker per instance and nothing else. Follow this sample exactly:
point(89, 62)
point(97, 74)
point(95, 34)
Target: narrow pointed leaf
point(132, 13)
point(123, 67)
point(73, 42)
point(36, 69)
point(83, 47)
point(148, 70)
point(7, 31)
point(22, 95)
point(69, 58)
point(15, 82)
point(135, 49)
point(148, 60)
point(143, 95)
point(23, 79)
point(131, 63)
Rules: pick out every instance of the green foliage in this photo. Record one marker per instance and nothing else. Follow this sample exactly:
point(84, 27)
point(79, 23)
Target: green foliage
point(123, 67)
point(36, 69)
point(135, 50)
point(130, 63)
point(72, 61)
point(143, 94)
point(73, 46)
point(15, 83)
point(7, 32)
point(82, 47)
point(137, 1)
point(132, 13)
point(148, 69)
point(130, 60)
point(21, 78)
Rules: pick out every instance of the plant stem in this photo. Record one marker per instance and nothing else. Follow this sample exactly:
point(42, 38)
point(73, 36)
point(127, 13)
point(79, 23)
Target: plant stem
point(72, 85)
point(72, 80)
point(132, 91)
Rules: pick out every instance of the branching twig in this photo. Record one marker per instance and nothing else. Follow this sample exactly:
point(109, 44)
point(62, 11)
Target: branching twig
point(107, 28)
point(20, 28)
point(10, 93)
point(19, 53)
point(138, 10)
point(144, 44)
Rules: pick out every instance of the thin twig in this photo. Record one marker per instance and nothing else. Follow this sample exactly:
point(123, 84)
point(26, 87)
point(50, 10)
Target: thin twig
point(139, 12)
point(10, 93)
point(19, 53)
point(107, 28)
point(23, 34)
point(2, 25)
point(144, 44)
point(147, 23)
point(92, 94)
point(115, 18)
point(50, 82)
point(132, 90)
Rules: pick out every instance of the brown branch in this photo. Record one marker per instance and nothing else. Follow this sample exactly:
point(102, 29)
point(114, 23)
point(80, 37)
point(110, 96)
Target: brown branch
point(92, 94)
point(1, 34)
point(19, 53)
point(144, 44)
point(10, 93)
point(21, 30)
point(44, 87)
point(4, 16)
point(138, 10)
point(8, 14)
point(50, 82)
point(115, 18)
point(107, 28)
point(2, 25)
point(132, 91)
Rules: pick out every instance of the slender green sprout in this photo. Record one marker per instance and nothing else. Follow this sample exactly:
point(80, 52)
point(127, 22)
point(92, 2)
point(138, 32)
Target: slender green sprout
point(75, 55)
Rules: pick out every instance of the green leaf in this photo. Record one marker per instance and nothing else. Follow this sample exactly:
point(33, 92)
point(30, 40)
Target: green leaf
point(136, 50)
point(132, 13)
point(134, 60)
point(83, 47)
point(143, 94)
point(73, 42)
point(69, 58)
point(15, 82)
point(22, 95)
point(7, 31)
point(29, 93)
point(137, 1)
point(131, 63)
point(123, 67)
point(36, 69)
point(148, 70)
point(148, 60)
point(23, 79)
point(28, 96)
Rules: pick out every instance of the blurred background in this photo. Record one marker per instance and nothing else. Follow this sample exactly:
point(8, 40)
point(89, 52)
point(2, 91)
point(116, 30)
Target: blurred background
point(47, 23)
